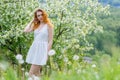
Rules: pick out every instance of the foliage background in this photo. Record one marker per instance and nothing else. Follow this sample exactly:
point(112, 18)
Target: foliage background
point(83, 28)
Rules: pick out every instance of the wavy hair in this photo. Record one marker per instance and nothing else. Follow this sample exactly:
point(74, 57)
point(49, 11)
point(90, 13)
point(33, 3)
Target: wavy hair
point(36, 22)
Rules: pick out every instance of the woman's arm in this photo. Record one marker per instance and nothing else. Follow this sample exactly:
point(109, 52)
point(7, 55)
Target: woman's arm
point(50, 37)
point(29, 27)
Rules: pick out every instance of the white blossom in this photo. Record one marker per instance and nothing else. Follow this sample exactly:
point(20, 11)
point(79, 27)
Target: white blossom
point(63, 51)
point(94, 65)
point(66, 59)
point(77, 46)
point(22, 69)
point(26, 74)
point(48, 66)
point(30, 78)
point(51, 52)
point(36, 78)
point(21, 61)
point(75, 57)
point(18, 56)
point(3, 65)
point(78, 71)
point(60, 57)
point(33, 77)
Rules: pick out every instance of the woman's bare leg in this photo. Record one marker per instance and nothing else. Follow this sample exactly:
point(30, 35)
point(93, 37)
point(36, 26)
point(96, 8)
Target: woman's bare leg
point(34, 70)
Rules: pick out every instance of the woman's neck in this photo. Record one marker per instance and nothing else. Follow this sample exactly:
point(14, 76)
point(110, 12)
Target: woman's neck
point(42, 22)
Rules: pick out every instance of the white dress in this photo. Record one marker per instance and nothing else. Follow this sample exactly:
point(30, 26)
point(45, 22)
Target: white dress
point(37, 53)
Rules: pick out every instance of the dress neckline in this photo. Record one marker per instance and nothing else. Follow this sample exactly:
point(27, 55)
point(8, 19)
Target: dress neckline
point(40, 28)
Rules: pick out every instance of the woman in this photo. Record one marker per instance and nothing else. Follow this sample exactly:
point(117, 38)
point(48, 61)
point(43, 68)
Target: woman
point(43, 39)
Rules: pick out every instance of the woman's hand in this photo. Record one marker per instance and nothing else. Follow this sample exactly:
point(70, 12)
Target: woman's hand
point(29, 27)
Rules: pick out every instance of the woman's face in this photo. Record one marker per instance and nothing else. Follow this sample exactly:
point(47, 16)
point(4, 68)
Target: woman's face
point(40, 15)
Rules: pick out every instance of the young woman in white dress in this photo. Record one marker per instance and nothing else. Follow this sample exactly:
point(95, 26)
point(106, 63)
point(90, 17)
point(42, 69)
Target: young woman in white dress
point(42, 43)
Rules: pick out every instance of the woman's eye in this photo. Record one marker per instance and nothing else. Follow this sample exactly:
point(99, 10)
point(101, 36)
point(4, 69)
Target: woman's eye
point(39, 15)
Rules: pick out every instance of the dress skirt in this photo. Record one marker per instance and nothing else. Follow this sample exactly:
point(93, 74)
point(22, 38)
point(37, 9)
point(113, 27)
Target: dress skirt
point(37, 53)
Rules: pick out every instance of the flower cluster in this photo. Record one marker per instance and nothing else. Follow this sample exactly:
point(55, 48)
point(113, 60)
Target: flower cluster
point(34, 77)
point(51, 52)
point(19, 58)
point(75, 57)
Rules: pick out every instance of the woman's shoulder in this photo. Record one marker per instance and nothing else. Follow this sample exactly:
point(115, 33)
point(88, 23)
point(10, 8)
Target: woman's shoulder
point(49, 25)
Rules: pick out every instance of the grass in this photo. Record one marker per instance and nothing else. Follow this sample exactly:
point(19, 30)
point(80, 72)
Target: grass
point(105, 68)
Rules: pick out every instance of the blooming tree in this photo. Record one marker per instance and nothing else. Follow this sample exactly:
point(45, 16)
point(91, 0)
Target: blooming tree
point(73, 21)
point(14, 17)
